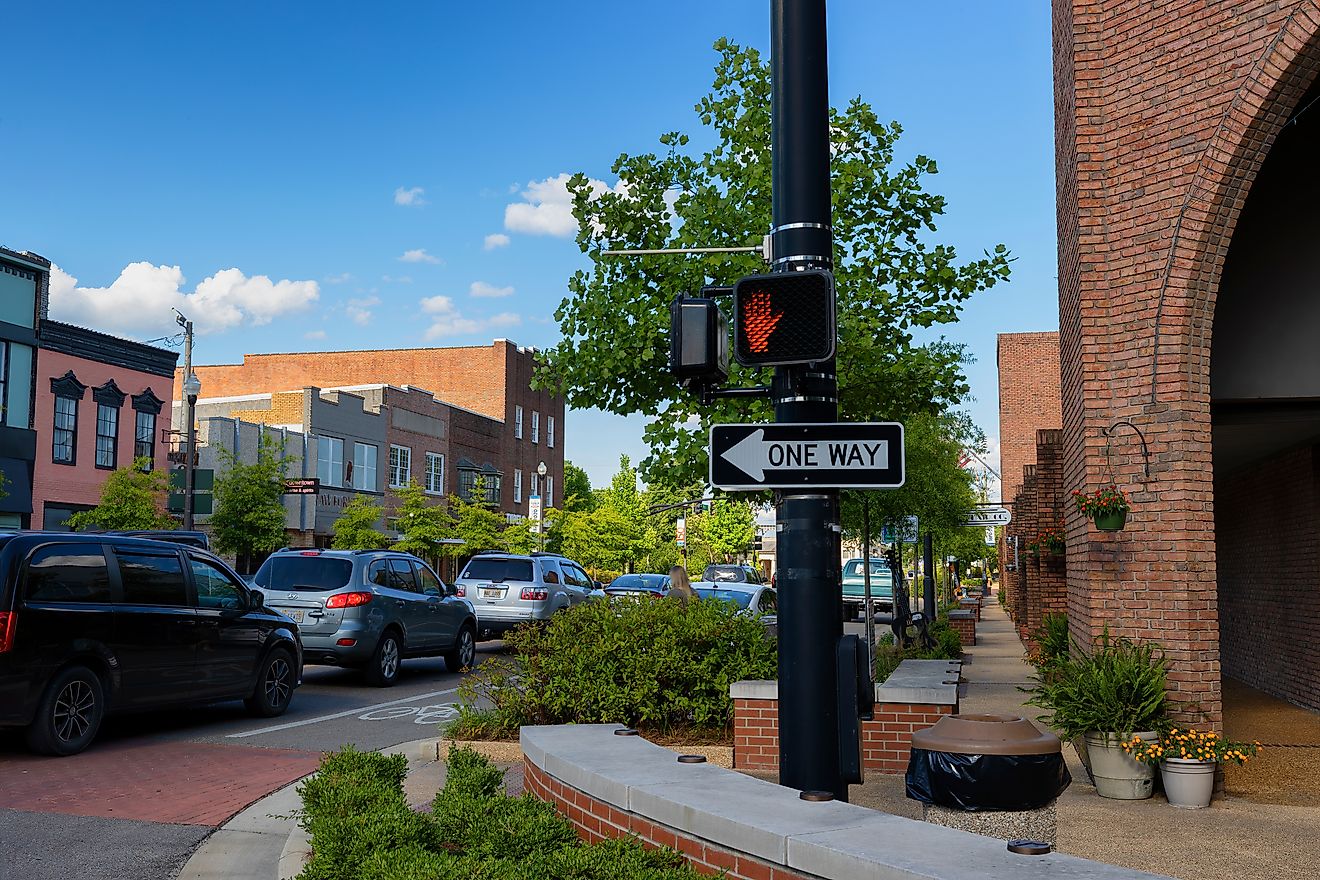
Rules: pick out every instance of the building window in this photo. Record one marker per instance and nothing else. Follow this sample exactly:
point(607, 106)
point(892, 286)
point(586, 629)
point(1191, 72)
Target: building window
point(144, 438)
point(549, 492)
point(435, 473)
point(107, 435)
point(400, 466)
point(517, 487)
point(517, 423)
point(536, 484)
point(467, 484)
point(550, 431)
point(364, 466)
point(536, 427)
point(330, 461)
point(66, 429)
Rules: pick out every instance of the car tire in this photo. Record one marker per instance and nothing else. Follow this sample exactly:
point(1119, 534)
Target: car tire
point(464, 653)
point(275, 685)
point(69, 714)
point(383, 668)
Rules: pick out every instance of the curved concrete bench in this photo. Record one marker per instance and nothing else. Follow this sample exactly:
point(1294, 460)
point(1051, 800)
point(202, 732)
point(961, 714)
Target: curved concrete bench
point(613, 786)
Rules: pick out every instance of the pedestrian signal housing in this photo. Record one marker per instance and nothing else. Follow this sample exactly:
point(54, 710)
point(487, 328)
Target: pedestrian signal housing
point(698, 341)
point(784, 318)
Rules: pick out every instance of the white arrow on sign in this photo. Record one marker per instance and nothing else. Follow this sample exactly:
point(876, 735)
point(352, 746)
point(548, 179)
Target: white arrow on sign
point(754, 455)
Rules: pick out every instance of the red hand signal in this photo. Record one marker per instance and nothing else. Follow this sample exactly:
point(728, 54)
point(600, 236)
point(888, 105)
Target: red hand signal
point(759, 321)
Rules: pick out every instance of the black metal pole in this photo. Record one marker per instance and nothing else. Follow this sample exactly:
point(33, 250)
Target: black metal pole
point(928, 583)
point(811, 605)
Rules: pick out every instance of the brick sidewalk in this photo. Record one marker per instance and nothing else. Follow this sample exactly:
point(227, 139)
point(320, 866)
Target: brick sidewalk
point(177, 783)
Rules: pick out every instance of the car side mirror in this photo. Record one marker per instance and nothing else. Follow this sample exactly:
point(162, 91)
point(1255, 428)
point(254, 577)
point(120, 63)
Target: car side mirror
point(257, 599)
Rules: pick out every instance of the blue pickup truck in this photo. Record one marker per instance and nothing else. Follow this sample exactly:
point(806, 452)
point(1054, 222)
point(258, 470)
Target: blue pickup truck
point(854, 587)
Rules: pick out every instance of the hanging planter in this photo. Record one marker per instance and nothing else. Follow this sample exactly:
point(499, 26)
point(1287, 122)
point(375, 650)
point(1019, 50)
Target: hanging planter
point(1107, 507)
point(1050, 542)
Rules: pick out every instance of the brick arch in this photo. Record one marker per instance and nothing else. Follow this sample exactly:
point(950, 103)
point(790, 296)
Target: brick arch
point(1260, 108)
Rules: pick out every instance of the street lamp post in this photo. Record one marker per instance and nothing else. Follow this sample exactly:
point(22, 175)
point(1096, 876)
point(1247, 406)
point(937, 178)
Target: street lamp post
point(192, 387)
point(541, 471)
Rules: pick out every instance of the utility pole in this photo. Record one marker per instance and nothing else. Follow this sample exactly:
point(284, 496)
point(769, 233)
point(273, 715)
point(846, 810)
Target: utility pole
point(811, 611)
point(190, 391)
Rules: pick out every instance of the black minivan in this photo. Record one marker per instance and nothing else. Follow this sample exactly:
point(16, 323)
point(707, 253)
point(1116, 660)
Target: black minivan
point(91, 624)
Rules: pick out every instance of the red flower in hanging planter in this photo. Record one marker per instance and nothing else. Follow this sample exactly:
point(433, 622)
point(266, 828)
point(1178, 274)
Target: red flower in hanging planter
point(1102, 502)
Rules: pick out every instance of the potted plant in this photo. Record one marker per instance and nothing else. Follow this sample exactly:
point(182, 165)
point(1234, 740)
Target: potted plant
point(1050, 541)
point(1101, 701)
point(1187, 760)
point(1107, 507)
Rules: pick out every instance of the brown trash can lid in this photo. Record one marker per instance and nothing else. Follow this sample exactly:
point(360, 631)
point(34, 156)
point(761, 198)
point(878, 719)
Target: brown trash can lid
point(986, 735)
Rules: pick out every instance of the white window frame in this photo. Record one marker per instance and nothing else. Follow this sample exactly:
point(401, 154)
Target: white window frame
point(550, 432)
point(517, 486)
point(439, 483)
point(366, 461)
point(329, 466)
point(549, 492)
point(536, 427)
point(517, 423)
point(400, 466)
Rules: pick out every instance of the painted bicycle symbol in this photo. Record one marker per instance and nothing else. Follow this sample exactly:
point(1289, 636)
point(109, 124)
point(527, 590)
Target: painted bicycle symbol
point(419, 714)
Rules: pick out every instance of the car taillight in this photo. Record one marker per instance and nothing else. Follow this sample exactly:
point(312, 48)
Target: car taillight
point(535, 595)
point(8, 625)
point(461, 591)
point(347, 600)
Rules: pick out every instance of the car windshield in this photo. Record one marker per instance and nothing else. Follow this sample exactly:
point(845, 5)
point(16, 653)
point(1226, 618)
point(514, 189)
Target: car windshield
point(312, 574)
point(741, 598)
point(499, 570)
point(637, 582)
point(853, 568)
point(729, 574)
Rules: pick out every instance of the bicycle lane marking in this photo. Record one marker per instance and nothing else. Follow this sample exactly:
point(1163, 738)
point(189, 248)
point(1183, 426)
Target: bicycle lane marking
point(360, 710)
point(424, 714)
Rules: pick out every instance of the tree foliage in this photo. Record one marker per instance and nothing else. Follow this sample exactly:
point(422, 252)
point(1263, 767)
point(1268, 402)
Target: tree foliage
point(729, 529)
point(356, 528)
point(423, 525)
point(131, 498)
point(576, 495)
point(249, 501)
point(892, 281)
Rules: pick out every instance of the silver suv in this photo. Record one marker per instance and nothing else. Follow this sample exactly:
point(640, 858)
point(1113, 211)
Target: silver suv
point(509, 589)
point(369, 609)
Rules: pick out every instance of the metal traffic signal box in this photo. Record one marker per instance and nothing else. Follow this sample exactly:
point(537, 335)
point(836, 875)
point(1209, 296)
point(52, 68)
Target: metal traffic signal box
point(784, 318)
point(698, 341)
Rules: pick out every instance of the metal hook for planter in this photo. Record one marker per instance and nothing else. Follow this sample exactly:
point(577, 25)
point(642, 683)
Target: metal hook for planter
point(1109, 440)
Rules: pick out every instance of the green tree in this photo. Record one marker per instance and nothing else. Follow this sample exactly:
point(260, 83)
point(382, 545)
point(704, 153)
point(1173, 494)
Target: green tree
point(892, 280)
point(475, 523)
point(577, 493)
point(356, 527)
point(620, 520)
point(249, 503)
point(423, 525)
point(132, 498)
point(729, 529)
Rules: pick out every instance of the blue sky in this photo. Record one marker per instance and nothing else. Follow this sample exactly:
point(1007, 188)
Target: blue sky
point(304, 176)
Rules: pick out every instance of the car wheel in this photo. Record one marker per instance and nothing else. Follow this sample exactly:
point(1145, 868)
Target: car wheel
point(465, 651)
point(383, 669)
point(69, 714)
point(274, 685)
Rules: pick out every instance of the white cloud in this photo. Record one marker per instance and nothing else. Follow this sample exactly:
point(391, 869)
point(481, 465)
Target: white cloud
point(495, 240)
point(342, 278)
point(447, 320)
point(314, 334)
point(359, 310)
point(411, 196)
point(481, 289)
point(418, 255)
point(547, 207)
point(140, 299)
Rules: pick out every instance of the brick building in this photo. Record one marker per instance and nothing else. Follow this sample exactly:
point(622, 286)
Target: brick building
point(1186, 134)
point(100, 404)
point(1028, 400)
point(480, 396)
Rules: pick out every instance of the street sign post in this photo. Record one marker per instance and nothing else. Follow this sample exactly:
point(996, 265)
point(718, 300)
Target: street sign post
point(534, 512)
point(989, 516)
point(797, 455)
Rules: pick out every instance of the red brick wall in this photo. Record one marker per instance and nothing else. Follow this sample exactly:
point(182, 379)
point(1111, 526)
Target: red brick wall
point(886, 739)
point(1267, 516)
point(1028, 400)
point(1164, 112)
point(596, 821)
point(966, 630)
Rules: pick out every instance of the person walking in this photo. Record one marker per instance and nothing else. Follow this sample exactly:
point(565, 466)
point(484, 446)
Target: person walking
point(679, 586)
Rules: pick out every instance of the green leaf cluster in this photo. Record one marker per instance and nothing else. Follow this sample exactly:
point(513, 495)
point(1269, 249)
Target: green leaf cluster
point(356, 527)
point(657, 665)
point(249, 501)
point(1118, 688)
point(131, 498)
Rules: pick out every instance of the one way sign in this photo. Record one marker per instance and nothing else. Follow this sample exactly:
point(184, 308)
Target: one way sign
point(857, 455)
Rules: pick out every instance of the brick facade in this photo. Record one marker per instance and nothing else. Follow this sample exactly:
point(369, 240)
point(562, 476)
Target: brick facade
point(1028, 400)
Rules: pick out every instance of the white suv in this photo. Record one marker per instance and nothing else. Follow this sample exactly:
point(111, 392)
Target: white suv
point(510, 589)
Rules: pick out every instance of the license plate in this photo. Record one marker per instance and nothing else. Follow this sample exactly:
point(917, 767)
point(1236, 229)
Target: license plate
point(296, 614)
point(492, 593)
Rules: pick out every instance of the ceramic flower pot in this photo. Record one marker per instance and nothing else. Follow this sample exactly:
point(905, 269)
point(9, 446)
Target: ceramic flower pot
point(1188, 783)
point(1111, 522)
point(1116, 774)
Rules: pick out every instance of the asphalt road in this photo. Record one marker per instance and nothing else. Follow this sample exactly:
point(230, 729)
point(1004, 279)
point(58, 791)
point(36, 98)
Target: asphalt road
point(62, 817)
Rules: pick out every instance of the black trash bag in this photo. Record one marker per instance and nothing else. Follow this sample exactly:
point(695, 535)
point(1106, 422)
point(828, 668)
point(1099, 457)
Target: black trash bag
point(986, 782)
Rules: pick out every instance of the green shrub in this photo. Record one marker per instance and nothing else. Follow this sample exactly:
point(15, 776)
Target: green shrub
point(1119, 688)
point(658, 666)
point(888, 654)
point(1051, 641)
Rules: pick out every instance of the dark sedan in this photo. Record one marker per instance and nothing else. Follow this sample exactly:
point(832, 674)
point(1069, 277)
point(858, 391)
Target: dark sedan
point(652, 586)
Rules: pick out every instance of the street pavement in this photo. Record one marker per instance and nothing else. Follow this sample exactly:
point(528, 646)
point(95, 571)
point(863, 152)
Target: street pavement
point(154, 785)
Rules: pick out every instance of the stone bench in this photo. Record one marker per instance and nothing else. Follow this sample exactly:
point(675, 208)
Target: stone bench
point(614, 786)
point(915, 696)
point(964, 624)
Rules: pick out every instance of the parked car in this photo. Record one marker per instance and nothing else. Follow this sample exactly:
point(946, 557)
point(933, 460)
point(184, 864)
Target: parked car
point(854, 587)
point(173, 536)
point(730, 574)
point(759, 600)
point(511, 589)
point(92, 624)
point(369, 609)
point(652, 586)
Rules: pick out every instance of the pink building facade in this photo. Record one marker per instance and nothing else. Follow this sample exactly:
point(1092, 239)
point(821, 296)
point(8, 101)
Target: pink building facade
point(101, 401)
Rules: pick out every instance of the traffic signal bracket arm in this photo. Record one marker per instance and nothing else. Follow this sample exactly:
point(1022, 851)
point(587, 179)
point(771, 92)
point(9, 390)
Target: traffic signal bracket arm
point(709, 394)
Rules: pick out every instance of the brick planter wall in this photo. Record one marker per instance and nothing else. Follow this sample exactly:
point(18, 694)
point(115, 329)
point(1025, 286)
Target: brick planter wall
point(965, 627)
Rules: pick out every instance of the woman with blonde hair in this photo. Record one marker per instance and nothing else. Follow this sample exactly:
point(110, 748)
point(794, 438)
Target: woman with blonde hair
point(679, 586)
